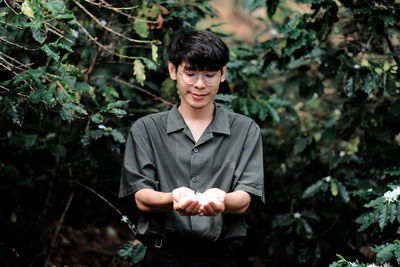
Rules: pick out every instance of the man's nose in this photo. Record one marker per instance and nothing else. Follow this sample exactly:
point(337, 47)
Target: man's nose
point(200, 82)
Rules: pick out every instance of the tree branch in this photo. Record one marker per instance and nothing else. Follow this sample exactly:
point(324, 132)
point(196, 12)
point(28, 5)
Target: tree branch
point(138, 88)
point(111, 30)
point(101, 45)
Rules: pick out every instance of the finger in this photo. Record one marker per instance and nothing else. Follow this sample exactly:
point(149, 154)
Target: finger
point(193, 208)
point(210, 211)
point(218, 206)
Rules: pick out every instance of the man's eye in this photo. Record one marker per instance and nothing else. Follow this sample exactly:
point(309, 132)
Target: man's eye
point(210, 75)
point(191, 75)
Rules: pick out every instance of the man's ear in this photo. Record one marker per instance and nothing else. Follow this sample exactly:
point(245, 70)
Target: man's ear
point(172, 70)
point(223, 73)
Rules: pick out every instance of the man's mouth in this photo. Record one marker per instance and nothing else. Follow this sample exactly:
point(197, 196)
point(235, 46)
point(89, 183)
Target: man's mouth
point(198, 96)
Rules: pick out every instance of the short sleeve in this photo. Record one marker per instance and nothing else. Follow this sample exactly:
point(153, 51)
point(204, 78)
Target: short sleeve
point(138, 170)
point(249, 175)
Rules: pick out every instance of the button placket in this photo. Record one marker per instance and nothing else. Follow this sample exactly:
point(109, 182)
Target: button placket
point(194, 178)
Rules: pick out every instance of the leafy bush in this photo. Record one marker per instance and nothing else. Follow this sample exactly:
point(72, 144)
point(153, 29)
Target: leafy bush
point(324, 86)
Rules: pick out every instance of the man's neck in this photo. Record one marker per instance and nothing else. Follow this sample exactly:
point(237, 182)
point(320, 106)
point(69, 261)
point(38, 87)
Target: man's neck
point(201, 114)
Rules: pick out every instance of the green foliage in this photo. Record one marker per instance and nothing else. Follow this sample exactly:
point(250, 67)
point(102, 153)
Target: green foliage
point(74, 76)
point(131, 253)
point(324, 89)
point(336, 144)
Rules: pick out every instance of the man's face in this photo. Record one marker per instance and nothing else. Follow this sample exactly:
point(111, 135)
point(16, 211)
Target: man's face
point(197, 88)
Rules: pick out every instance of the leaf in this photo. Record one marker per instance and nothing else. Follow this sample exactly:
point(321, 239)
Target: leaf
point(30, 140)
point(139, 72)
point(39, 34)
point(97, 118)
point(56, 6)
point(58, 151)
point(313, 189)
point(118, 103)
point(384, 216)
point(78, 108)
point(301, 144)
point(343, 192)
point(27, 9)
point(82, 87)
point(349, 86)
point(281, 220)
point(385, 254)
point(334, 189)
point(140, 27)
point(118, 112)
point(133, 253)
point(154, 52)
point(273, 112)
point(307, 228)
point(51, 52)
point(118, 137)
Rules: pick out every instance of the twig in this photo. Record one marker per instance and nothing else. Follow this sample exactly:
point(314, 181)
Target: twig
point(137, 88)
point(59, 224)
point(10, 7)
point(16, 61)
point(105, 36)
point(17, 45)
point(111, 30)
point(115, 9)
point(126, 219)
point(101, 45)
point(57, 32)
point(12, 25)
point(11, 66)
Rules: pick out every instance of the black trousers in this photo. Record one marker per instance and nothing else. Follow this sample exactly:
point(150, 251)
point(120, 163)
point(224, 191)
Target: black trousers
point(189, 256)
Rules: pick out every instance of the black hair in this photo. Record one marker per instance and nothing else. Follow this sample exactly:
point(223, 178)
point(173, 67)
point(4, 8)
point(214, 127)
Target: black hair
point(201, 50)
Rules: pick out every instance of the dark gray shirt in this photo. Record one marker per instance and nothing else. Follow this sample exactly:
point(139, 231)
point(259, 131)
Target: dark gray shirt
point(161, 154)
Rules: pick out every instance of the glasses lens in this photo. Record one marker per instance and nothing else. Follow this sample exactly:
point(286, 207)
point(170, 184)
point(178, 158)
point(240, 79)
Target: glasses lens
point(209, 79)
point(189, 78)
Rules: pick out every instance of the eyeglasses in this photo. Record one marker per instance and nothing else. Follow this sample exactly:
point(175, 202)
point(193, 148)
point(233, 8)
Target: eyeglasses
point(210, 79)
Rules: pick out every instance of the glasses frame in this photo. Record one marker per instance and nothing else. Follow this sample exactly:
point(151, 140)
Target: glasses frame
point(205, 82)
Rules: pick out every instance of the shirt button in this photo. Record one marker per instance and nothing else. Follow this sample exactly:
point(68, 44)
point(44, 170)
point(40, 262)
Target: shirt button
point(194, 179)
point(195, 150)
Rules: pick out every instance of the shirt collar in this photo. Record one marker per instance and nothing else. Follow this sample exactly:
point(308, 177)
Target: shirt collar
point(220, 123)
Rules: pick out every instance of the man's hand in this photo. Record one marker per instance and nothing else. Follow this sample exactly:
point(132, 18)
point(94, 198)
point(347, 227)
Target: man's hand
point(185, 202)
point(212, 202)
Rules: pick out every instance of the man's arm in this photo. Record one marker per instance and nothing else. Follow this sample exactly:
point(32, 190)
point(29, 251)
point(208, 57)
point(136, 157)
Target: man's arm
point(237, 202)
point(179, 199)
point(149, 200)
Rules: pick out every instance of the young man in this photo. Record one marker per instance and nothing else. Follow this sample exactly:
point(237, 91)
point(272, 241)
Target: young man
point(194, 169)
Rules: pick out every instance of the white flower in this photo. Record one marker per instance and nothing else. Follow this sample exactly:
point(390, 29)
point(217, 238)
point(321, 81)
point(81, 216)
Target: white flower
point(369, 190)
point(327, 179)
point(297, 215)
point(350, 54)
point(101, 126)
point(342, 153)
point(273, 32)
point(356, 66)
point(124, 219)
point(74, 33)
point(387, 265)
point(391, 196)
